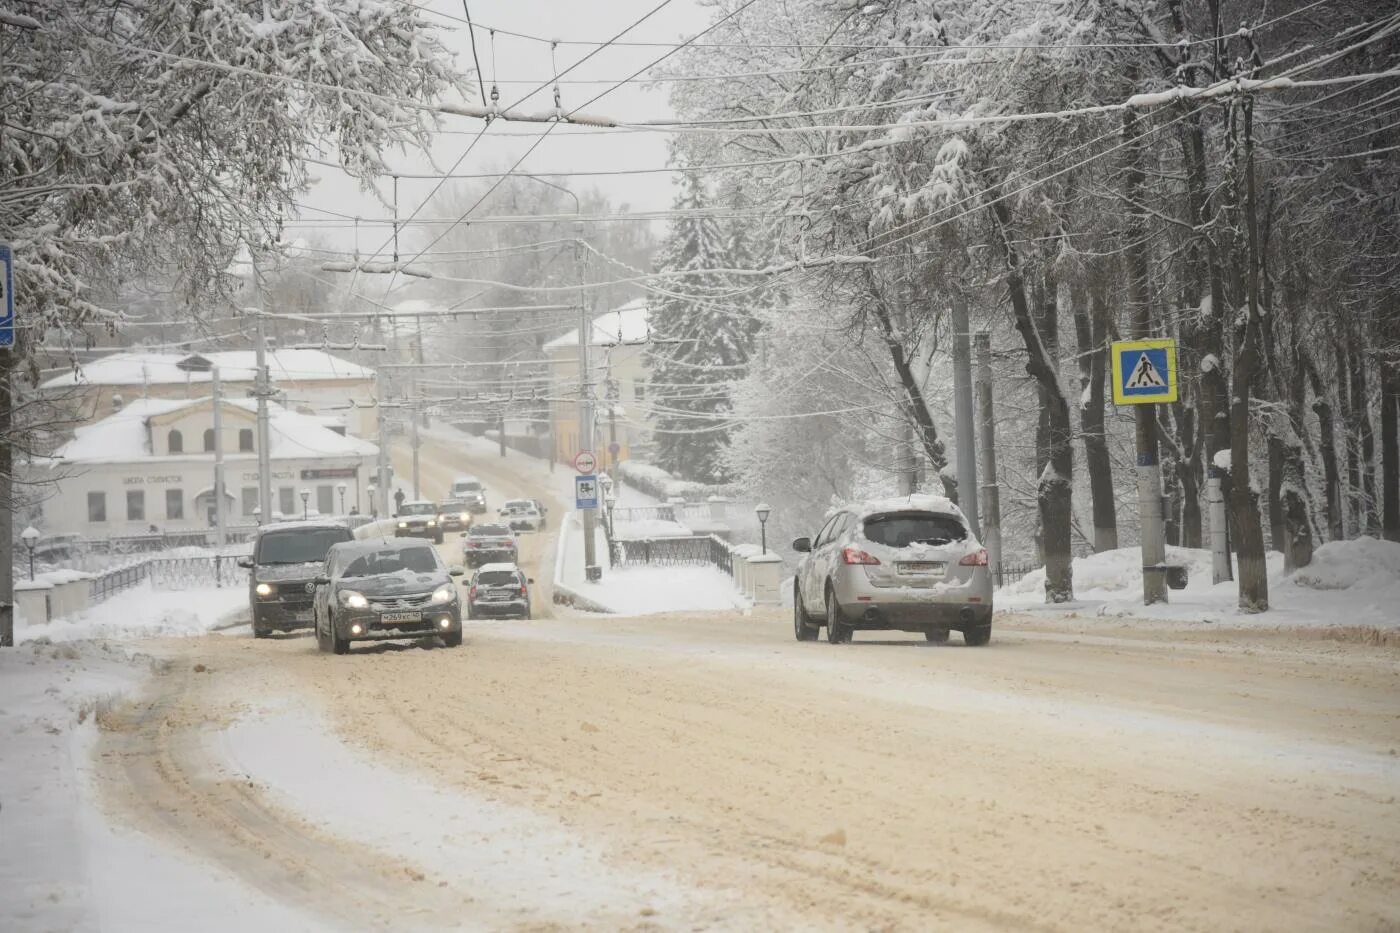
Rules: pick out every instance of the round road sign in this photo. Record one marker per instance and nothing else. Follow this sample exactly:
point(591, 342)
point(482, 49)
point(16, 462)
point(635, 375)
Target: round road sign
point(614, 448)
point(585, 462)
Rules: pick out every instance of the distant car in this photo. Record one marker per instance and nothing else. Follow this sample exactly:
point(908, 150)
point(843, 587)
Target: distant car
point(418, 519)
point(909, 564)
point(521, 515)
point(544, 513)
point(382, 589)
point(499, 590)
point(286, 557)
point(489, 544)
point(454, 514)
point(470, 489)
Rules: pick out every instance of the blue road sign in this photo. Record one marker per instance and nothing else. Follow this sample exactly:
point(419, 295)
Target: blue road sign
point(586, 491)
point(7, 296)
point(1144, 372)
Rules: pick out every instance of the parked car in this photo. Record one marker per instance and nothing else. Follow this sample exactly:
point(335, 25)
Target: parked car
point(287, 557)
point(521, 515)
point(381, 589)
point(473, 491)
point(908, 564)
point(454, 514)
point(418, 519)
point(499, 590)
point(489, 544)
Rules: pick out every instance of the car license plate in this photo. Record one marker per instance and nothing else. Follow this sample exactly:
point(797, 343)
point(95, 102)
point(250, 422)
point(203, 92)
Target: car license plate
point(497, 595)
point(401, 617)
point(922, 568)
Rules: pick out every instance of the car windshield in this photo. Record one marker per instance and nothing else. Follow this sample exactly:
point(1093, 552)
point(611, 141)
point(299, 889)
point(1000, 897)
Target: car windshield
point(497, 578)
point(490, 531)
point(465, 486)
point(453, 505)
point(418, 508)
point(392, 560)
point(901, 529)
point(299, 546)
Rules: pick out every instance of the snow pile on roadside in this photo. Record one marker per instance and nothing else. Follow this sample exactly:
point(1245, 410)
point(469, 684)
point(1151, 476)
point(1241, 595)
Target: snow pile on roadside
point(1365, 563)
point(143, 612)
point(1349, 583)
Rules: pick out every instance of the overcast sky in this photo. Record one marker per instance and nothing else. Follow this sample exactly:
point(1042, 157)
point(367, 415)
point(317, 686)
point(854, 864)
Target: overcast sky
point(522, 61)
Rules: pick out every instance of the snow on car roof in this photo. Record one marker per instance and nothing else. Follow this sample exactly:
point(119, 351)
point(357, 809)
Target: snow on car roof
point(916, 502)
point(313, 524)
point(507, 567)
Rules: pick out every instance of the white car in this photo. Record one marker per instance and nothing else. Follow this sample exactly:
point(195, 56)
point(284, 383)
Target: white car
point(521, 515)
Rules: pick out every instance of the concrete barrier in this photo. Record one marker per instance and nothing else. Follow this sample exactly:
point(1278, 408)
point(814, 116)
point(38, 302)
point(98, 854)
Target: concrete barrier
point(765, 575)
point(32, 601)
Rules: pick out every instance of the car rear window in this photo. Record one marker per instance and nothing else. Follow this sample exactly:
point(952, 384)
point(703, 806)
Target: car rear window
point(496, 578)
point(489, 531)
point(901, 529)
point(299, 547)
point(466, 486)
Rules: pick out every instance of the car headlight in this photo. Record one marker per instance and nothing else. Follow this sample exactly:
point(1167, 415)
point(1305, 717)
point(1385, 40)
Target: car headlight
point(263, 589)
point(444, 594)
point(352, 600)
point(431, 523)
point(403, 524)
point(464, 516)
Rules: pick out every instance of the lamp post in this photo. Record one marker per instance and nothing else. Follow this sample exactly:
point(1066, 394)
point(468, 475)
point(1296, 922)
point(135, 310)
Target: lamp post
point(305, 504)
point(762, 510)
point(610, 501)
point(373, 502)
point(340, 488)
point(257, 515)
point(30, 537)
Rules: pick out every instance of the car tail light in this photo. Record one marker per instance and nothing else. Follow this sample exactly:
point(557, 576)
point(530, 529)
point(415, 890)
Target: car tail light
point(854, 555)
point(977, 558)
point(471, 593)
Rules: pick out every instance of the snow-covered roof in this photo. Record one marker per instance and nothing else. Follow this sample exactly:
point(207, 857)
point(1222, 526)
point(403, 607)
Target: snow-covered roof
point(137, 367)
point(124, 435)
point(625, 324)
point(508, 568)
point(917, 501)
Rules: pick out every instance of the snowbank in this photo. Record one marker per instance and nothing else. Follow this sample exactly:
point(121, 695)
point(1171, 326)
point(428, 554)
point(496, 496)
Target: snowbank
point(656, 482)
point(143, 612)
point(1349, 583)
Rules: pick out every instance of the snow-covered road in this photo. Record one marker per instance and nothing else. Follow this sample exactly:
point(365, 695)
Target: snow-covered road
point(705, 771)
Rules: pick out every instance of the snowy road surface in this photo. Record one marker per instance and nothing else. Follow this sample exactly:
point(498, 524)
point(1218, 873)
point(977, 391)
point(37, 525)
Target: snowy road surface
point(705, 771)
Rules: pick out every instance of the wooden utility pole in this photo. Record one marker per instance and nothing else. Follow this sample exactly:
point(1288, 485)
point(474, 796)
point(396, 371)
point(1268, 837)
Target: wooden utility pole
point(991, 500)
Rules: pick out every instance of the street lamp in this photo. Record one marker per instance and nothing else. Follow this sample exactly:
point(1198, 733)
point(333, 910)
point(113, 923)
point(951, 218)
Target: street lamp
point(305, 503)
point(373, 500)
point(257, 515)
point(340, 488)
point(610, 501)
point(30, 537)
point(762, 510)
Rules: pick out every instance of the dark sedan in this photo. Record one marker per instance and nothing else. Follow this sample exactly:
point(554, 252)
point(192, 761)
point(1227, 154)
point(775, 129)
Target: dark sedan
point(492, 543)
point(386, 589)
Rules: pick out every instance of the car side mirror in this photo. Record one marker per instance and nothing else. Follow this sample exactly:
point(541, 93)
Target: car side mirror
point(462, 535)
point(802, 545)
point(322, 581)
point(455, 572)
point(530, 580)
point(246, 563)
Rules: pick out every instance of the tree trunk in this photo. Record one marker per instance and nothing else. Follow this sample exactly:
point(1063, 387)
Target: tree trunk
point(1390, 452)
point(1327, 443)
point(1054, 491)
point(1351, 495)
point(1297, 527)
point(1047, 321)
point(1249, 536)
point(1091, 336)
point(1274, 506)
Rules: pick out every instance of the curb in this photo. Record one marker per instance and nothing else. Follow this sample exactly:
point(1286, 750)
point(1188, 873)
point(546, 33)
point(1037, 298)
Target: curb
point(563, 594)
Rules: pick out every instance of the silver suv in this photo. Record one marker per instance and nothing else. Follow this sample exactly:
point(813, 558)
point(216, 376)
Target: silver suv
point(909, 564)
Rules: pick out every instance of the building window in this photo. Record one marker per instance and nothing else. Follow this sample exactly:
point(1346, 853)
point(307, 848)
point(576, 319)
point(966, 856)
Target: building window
point(97, 506)
point(136, 505)
point(245, 440)
point(174, 504)
point(175, 442)
point(250, 500)
point(287, 500)
point(325, 500)
point(639, 390)
point(209, 440)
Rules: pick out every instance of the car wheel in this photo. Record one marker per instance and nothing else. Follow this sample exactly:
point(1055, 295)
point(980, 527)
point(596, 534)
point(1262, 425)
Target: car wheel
point(260, 631)
point(936, 635)
point(452, 639)
point(837, 631)
point(437, 538)
point(471, 611)
point(526, 614)
point(802, 626)
point(979, 636)
point(338, 645)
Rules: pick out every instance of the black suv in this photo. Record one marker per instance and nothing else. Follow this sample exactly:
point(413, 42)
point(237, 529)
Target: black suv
point(287, 557)
point(499, 590)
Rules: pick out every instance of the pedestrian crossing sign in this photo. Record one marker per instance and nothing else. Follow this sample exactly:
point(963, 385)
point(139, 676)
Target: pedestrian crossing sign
point(1144, 372)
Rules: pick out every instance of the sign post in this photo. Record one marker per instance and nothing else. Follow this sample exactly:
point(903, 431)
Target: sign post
point(1145, 374)
point(585, 462)
point(7, 296)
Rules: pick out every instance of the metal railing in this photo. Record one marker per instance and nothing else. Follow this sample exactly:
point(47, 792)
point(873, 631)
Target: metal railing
point(169, 573)
point(697, 550)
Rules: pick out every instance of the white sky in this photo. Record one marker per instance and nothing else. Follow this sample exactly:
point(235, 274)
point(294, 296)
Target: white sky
point(523, 60)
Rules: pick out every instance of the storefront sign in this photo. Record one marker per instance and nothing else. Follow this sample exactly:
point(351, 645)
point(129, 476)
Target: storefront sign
point(330, 473)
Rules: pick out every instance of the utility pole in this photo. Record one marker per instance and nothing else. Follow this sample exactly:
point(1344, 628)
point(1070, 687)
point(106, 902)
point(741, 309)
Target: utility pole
point(591, 570)
point(8, 360)
point(261, 390)
point(216, 389)
point(962, 404)
point(383, 444)
point(991, 499)
point(413, 414)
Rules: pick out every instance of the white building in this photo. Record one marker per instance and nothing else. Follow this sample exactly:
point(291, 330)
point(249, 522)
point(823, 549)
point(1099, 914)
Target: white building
point(151, 464)
point(309, 381)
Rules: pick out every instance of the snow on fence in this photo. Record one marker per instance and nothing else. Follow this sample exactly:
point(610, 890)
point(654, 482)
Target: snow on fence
point(169, 573)
point(699, 549)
